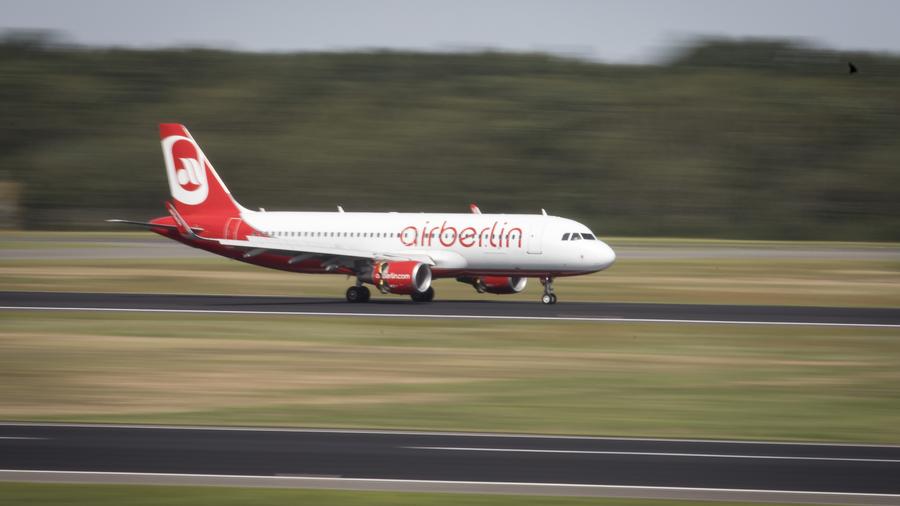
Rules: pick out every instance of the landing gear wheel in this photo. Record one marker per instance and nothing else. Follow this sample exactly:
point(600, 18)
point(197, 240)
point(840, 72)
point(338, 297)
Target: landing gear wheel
point(549, 297)
point(426, 296)
point(358, 294)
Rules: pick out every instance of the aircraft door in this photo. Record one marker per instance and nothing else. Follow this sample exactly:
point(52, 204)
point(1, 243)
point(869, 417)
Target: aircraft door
point(232, 227)
point(536, 238)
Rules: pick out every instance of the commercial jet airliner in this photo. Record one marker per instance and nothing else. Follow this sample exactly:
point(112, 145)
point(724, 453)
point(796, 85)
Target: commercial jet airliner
point(398, 253)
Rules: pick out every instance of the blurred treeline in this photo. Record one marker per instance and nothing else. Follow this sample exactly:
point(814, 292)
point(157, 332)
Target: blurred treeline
point(746, 139)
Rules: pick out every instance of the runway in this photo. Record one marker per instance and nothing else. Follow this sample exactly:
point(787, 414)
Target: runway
point(385, 460)
point(481, 309)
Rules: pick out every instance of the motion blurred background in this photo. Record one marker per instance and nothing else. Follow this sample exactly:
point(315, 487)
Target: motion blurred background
point(723, 150)
point(644, 129)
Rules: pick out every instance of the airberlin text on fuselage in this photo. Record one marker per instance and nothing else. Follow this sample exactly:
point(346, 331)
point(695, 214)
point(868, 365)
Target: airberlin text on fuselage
point(495, 235)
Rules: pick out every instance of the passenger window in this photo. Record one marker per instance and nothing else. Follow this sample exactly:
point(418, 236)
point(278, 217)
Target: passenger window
point(565, 237)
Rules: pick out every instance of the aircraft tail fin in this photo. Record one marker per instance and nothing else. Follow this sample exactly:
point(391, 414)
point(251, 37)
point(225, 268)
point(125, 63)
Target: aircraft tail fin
point(195, 187)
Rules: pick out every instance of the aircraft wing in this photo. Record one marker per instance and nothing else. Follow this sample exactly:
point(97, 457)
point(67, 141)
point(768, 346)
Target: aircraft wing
point(256, 245)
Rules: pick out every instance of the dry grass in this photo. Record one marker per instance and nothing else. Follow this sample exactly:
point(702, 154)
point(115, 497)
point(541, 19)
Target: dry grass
point(44, 494)
point(588, 378)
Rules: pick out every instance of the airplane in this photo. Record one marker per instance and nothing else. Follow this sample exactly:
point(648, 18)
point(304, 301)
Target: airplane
point(397, 253)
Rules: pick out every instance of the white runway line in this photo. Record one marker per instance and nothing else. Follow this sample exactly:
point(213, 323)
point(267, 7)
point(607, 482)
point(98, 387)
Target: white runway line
point(491, 487)
point(651, 454)
point(23, 437)
point(448, 316)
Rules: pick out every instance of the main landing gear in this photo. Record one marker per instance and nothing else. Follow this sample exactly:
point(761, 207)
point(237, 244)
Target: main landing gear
point(358, 294)
point(549, 297)
point(362, 294)
point(426, 296)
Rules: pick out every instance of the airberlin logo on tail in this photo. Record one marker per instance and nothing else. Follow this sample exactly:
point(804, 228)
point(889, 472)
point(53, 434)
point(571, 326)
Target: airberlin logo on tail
point(186, 169)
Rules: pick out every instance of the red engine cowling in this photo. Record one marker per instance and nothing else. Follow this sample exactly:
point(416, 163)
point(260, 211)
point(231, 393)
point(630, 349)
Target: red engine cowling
point(401, 277)
point(496, 284)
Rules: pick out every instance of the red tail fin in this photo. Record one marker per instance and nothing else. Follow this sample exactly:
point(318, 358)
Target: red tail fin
point(196, 188)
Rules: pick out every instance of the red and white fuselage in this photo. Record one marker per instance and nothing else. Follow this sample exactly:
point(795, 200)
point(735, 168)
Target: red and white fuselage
point(459, 243)
point(396, 252)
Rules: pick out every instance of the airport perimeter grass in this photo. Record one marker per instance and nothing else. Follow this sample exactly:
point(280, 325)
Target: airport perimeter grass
point(139, 495)
point(696, 381)
point(835, 274)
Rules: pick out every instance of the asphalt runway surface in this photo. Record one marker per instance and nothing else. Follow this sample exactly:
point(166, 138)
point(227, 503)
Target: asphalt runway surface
point(403, 307)
point(397, 460)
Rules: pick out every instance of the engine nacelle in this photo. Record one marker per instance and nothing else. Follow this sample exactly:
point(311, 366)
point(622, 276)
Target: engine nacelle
point(400, 277)
point(495, 284)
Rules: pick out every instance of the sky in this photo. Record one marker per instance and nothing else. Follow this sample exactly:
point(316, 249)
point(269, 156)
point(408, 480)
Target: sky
point(635, 31)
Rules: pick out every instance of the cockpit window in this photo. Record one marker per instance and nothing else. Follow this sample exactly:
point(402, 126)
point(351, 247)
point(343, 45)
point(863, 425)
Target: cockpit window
point(577, 236)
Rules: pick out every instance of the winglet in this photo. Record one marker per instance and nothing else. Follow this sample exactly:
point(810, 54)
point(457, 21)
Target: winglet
point(543, 211)
point(474, 208)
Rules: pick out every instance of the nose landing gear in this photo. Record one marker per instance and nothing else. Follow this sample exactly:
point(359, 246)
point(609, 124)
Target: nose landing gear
point(548, 297)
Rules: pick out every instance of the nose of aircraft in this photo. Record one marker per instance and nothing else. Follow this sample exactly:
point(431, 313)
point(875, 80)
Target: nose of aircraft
point(604, 256)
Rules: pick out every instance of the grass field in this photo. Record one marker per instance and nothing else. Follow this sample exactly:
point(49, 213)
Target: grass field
point(586, 378)
point(703, 381)
point(647, 270)
point(696, 381)
point(135, 495)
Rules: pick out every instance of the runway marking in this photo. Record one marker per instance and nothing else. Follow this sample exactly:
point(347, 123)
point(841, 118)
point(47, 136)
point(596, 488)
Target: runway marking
point(652, 454)
point(450, 316)
point(23, 437)
point(389, 432)
point(458, 485)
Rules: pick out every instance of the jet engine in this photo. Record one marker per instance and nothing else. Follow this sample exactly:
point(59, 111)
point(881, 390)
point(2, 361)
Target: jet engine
point(406, 277)
point(495, 284)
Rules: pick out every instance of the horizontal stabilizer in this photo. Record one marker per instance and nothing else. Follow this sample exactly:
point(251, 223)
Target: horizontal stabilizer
point(151, 225)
